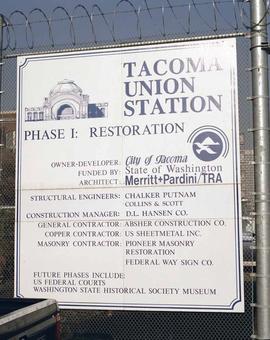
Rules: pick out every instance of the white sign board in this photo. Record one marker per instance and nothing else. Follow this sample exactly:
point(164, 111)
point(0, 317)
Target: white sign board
point(128, 178)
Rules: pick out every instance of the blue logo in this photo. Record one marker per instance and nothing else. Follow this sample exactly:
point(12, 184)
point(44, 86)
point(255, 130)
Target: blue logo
point(209, 143)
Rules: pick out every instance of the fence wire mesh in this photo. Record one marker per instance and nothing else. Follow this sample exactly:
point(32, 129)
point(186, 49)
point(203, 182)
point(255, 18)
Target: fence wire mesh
point(79, 27)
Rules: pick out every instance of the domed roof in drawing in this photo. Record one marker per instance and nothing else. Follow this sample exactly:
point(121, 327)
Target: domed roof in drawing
point(66, 86)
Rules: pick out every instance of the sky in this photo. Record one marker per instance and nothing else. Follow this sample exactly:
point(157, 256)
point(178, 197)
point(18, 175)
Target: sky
point(202, 20)
point(49, 5)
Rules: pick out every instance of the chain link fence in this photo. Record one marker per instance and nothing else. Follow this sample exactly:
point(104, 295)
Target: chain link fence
point(91, 28)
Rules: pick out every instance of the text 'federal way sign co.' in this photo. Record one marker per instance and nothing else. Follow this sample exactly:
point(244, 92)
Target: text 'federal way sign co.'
point(128, 178)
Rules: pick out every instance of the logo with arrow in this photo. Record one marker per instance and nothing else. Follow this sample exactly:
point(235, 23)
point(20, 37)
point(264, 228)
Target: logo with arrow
point(209, 143)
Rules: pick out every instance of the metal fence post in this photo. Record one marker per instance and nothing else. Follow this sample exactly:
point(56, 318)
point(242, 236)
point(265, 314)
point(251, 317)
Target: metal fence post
point(260, 97)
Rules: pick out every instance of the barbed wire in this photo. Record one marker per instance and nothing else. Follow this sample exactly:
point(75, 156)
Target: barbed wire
point(161, 20)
